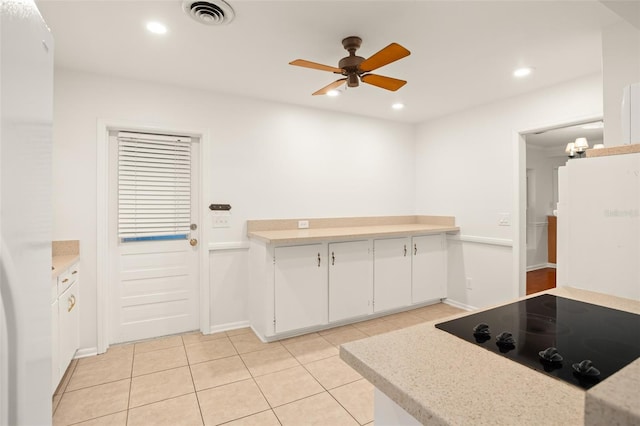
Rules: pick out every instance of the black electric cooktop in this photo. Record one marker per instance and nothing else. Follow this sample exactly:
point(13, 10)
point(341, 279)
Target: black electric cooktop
point(574, 341)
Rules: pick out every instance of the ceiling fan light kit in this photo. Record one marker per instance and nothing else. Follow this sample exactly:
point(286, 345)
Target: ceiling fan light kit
point(356, 68)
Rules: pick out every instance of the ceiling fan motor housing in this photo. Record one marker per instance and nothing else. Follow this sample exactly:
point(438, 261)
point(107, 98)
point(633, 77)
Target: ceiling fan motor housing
point(351, 63)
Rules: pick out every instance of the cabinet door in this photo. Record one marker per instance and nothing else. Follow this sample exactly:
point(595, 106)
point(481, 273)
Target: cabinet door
point(350, 280)
point(55, 348)
point(68, 326)
point(300, 286)
point(392, 273)
point(429, 281)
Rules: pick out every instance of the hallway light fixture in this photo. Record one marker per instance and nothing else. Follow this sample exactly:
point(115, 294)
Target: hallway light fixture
point(571, 149)
point(581, 145)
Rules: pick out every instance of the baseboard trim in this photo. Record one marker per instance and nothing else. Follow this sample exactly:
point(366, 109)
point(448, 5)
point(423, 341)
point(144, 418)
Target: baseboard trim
point(85, 352)
point(228, 326)
point(459, 305)
point(541, 266)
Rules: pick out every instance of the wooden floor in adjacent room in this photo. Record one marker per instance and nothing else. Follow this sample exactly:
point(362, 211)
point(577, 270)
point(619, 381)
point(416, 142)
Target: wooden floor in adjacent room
point(540, 280)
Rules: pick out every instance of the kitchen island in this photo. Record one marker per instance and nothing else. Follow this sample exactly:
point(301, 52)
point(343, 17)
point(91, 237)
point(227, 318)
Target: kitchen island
point(425, 375)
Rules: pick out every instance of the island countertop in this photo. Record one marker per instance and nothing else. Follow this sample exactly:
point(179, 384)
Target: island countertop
point(440, 379)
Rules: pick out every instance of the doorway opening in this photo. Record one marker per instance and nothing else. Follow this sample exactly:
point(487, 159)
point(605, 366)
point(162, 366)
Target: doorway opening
point(545, 151)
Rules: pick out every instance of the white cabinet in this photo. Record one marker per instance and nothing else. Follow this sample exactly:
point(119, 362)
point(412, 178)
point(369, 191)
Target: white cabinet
point(65, 322)
point(69, 322)
point(392, 273)
point(429, 268)
point(300, 287)
point(350, 280)
point(55, 359)
point(295, 289)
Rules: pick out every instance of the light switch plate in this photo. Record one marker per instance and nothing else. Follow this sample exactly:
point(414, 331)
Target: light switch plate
point(303, 224)
point(221, 219)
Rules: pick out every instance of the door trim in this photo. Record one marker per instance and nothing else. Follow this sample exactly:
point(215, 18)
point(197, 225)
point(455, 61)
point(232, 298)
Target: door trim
point(103, 270)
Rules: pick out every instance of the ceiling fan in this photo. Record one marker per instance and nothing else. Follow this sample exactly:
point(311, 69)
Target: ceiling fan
point(356, 68)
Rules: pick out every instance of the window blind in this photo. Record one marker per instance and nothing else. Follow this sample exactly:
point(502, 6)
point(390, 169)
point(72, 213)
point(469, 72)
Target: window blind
point(154, 186)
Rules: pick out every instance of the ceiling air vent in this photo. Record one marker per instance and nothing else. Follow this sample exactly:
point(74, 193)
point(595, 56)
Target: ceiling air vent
point(216, 12)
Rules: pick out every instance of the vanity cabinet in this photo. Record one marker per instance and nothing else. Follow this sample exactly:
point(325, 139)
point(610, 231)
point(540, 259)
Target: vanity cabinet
point(65, 321)
point(429, 268)
point(350, 280)
point(392, 277)
point(300, 287)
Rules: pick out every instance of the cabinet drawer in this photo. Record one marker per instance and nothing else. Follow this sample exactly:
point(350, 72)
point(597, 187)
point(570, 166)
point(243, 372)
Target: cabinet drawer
point(68, 277)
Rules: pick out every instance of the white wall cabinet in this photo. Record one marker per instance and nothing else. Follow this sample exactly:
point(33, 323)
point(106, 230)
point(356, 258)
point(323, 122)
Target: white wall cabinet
point(65, 320)
point(300, 286)
point(429, 268)
point(392, 273)
point(350, 280)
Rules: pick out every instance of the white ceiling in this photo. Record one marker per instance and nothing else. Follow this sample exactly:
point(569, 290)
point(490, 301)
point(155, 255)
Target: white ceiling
point(463, 52)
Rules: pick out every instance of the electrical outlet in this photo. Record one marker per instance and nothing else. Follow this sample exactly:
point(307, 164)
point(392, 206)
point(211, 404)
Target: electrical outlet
point(504, 219)
point(469, 286)
point(303, 224)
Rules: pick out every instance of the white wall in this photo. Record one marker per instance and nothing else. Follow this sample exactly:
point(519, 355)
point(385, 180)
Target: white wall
point(268, 160)
point(465, 168)
point(620, 68)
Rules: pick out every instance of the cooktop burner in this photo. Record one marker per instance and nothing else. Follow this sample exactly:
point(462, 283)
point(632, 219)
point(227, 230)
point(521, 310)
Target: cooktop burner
point(574, 341)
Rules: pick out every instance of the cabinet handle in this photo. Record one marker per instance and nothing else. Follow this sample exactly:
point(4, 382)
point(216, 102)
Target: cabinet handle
point(405, 250)
point(65, 280)
point(74, 272)
point(415, 249)
point(72, 303)
point(333, 258)
point(318, 260)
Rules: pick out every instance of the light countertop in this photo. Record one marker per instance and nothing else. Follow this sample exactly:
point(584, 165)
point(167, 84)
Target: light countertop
point(440, 379)
point(64, 254)
point(348, 232)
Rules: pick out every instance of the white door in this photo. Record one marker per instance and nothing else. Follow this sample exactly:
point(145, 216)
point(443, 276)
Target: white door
point(155, 280)
point(392, 273)
point(350, 280)
point(300, 281)
point(429, 278)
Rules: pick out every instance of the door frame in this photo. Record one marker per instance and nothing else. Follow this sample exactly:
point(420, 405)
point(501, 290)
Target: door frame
point(103, 261)
point(520, 198)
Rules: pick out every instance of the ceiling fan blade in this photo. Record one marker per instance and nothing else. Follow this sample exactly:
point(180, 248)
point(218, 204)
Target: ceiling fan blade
point(329, 87)
point(389, 54)
point(388, 83)
point(315, 66)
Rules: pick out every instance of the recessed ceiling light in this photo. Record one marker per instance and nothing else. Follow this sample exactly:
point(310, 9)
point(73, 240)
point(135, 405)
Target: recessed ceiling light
point(397, 105)
point(333, 93)
point(522, 72)
point(156, 27)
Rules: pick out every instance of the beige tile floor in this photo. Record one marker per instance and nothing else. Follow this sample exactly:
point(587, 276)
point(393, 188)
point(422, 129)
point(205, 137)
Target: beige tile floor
point(227, 378)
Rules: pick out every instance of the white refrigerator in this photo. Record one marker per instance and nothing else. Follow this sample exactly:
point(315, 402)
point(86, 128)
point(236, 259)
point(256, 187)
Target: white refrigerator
point(599, 225)
point(26, 111)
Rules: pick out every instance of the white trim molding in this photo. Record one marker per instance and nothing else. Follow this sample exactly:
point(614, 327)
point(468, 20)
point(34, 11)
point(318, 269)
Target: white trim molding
point(480, 240)
point(228, 327)
point(459, 305)
point(232, 245)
